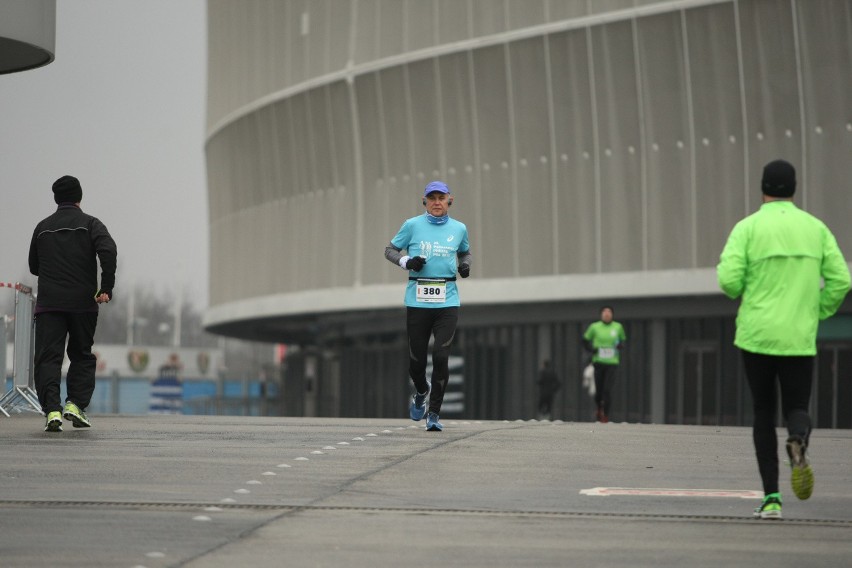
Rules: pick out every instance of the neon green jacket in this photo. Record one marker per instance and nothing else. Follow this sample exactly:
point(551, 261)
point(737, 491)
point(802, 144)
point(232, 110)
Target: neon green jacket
point(774, 259)
point(605, 338)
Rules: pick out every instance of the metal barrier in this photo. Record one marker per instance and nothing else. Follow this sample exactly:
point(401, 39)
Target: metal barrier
point(22, 396)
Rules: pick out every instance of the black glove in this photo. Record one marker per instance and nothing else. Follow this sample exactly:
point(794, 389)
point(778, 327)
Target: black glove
point(415, 263)
point(464, 270)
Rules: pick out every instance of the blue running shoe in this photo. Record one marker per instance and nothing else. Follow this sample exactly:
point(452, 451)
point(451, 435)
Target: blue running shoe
point(432, 423)
point(417, 408)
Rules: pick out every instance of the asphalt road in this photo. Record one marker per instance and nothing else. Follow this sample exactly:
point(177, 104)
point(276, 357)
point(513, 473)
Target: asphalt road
point(156, 491)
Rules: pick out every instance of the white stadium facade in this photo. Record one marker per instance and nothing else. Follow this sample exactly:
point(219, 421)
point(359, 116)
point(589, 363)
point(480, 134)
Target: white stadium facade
point(599, 152)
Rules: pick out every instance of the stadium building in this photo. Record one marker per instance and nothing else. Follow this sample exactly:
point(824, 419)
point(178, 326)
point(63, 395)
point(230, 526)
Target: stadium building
point(599, 152)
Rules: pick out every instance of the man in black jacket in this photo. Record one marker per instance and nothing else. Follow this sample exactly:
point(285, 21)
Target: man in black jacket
point(64, 253)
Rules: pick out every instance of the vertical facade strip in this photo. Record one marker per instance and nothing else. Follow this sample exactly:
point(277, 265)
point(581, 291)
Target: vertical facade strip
point(797, 47)
point(383, 136)
point(312, 150)
point(551, 127)
point(743, 106)
point(643, 168)
point(332, 147)
point(439, 105)
point(595, 154)
point(513, 166)
point(690, 111)
point(409, 119)
point(276, 148)
point(477, 154)
point(359, 183)
point(406, 29)
point(357, 276)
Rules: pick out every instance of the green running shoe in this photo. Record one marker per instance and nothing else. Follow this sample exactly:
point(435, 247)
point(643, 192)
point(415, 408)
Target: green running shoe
point(771, 507)
point(802, 476)
point(77, 417)
point(53, 423)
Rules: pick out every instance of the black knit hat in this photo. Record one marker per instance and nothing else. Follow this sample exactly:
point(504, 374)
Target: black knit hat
point(779, 179)
point(67, 190)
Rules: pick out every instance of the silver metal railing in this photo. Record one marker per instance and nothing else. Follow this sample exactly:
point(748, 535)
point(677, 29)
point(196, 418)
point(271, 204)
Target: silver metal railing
point(22, 396)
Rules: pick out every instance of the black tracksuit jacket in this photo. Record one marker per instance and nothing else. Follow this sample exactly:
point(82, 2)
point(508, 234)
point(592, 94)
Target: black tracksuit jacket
point(64, 252)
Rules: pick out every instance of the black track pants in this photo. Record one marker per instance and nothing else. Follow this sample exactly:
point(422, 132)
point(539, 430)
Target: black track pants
point(422, 323)
point(794, 374)
point(604, 378)
point(52, 329)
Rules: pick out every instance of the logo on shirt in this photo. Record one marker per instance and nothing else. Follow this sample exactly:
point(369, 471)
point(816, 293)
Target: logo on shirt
point(450, 238)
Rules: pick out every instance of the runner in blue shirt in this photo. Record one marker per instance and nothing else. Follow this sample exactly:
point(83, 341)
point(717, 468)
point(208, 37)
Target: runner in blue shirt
point(432, 247)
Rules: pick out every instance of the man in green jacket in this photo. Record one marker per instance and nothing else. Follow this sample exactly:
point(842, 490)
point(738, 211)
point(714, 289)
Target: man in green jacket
point(604, 339)
point(773, 261)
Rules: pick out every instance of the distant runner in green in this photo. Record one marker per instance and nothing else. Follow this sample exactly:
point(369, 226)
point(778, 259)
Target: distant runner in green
point(605, 339)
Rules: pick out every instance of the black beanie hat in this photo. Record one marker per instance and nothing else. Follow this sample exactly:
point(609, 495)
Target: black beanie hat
point(67, 190)
point(779, 179)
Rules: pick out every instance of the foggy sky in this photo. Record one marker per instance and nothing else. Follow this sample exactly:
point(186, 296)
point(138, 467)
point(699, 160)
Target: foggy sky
point(122, 109)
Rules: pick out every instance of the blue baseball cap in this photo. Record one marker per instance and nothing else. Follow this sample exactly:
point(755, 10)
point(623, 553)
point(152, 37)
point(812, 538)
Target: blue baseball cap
point(434, 186)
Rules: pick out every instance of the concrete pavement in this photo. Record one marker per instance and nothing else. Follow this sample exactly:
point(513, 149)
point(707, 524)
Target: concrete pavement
point(158, 491)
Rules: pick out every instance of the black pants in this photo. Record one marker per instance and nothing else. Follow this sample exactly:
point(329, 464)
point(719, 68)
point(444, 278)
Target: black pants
point(422, 323)
point(604, 378)
point(545, 403)
point(794, 374)
point(52, 329)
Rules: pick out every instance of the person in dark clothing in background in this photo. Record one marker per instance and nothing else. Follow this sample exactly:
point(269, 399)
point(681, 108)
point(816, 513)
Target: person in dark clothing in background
point(64, 254)
point(548, 385)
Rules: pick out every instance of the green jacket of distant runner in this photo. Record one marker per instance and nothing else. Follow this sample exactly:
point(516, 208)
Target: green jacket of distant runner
point(606, 339)
point(773, 260)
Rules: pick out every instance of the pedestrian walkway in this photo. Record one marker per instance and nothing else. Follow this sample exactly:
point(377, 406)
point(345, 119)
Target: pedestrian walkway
point(194, 491)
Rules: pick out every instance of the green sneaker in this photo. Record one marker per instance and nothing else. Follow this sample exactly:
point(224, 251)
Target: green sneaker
point(77, 417)
point(802, 476)
point(770, 508)
point(53, 423)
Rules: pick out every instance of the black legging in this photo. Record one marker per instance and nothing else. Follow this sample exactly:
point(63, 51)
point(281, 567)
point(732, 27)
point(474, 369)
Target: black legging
point(422, 323)
point(794, 374)
point(604, 377)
